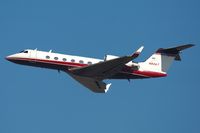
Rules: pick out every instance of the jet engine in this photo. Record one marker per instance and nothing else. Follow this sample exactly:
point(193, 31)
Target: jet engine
point(133, 65)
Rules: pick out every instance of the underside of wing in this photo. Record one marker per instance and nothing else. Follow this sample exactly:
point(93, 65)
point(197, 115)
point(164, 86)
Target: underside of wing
point(92, 84)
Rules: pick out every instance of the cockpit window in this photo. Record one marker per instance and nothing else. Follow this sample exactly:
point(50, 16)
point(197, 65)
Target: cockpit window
point(24, 51)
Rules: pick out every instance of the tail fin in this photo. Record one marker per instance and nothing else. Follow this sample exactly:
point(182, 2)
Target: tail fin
point(161, 60)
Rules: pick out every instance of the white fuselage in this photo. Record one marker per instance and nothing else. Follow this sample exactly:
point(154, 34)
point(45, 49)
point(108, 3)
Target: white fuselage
point(65, 62)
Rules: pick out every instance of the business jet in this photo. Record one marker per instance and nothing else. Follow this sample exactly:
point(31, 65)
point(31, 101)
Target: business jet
point(91, 72)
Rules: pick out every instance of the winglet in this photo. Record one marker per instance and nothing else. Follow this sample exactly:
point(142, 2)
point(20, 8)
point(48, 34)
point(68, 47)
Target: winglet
point(107, 87)
point(137, 53)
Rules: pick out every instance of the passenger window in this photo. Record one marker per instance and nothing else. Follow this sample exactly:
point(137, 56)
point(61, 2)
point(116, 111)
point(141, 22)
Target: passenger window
point(64, 59)
point(47, 57)
point(89, 63)
point(81, 62)
point(56, 58)
point(72, 60)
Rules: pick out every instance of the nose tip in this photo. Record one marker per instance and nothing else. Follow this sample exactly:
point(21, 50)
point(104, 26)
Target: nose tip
point(8, 58)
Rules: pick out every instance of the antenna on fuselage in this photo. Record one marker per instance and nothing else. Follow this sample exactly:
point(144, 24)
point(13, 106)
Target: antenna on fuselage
point(50, 51)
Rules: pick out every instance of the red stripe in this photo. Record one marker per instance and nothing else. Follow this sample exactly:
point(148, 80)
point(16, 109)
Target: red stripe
point(141, 73)
point(150, 73)
point(50, 62)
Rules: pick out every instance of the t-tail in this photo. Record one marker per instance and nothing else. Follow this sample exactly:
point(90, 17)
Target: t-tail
point(162, 59)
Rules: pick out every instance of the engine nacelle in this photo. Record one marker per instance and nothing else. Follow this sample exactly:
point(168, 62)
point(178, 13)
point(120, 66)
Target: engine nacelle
point(134, 66)
point(110, 57)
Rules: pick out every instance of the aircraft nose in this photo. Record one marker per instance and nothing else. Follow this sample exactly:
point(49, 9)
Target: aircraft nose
point(9, 58)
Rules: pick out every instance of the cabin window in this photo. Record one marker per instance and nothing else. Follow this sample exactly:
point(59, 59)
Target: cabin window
point(89, 63)
point(47, 57)
point(56, 58)
point(72, 60)
point(25, 51)
point(64, 59)
point(81, 62)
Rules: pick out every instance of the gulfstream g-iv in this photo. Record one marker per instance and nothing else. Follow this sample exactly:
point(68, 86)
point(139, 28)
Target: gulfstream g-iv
point(92, 72)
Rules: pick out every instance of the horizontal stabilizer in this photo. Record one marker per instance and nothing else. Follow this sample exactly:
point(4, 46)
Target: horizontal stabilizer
point(174, 51)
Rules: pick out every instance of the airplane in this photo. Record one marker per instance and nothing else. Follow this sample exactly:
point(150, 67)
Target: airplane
point(91, 72)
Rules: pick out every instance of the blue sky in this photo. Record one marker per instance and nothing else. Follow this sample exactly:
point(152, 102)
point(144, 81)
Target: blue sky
point(37, 100)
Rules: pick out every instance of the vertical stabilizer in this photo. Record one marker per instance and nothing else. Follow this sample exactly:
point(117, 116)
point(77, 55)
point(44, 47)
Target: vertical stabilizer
point(162, 59)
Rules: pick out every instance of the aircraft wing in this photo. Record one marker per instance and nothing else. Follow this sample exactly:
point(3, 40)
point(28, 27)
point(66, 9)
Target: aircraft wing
point(105, 69)
point(92, 84)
